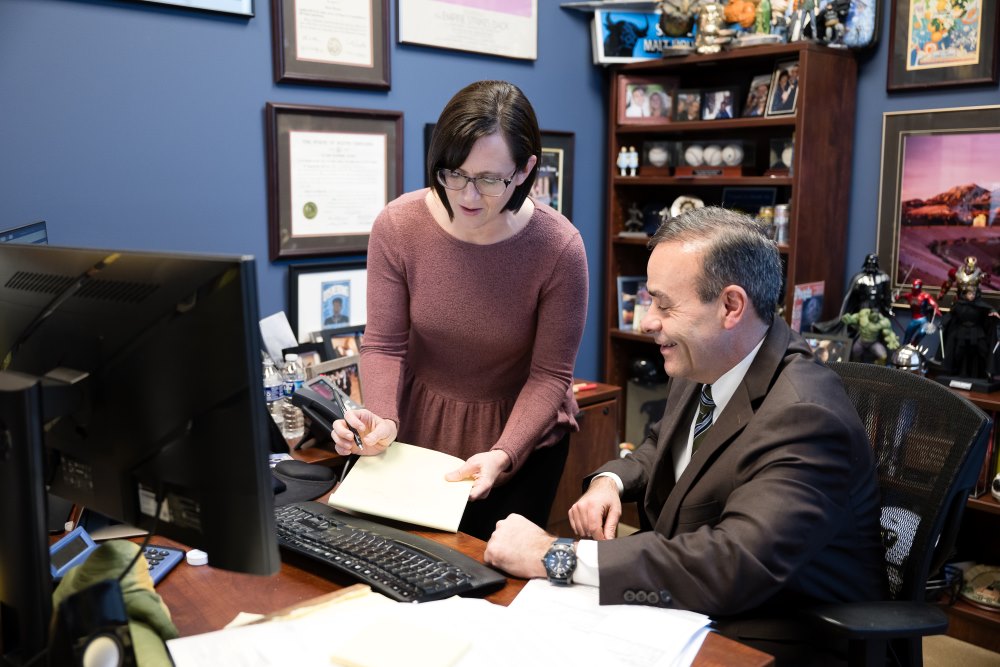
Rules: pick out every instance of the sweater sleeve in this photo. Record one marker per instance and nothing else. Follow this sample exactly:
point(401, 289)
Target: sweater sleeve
point(383, 353)
point(561, 316)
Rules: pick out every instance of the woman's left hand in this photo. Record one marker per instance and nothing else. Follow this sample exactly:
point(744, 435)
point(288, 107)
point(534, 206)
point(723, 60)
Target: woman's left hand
point(483, 469)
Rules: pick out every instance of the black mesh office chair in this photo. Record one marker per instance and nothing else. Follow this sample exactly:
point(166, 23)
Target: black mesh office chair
point(929, 445)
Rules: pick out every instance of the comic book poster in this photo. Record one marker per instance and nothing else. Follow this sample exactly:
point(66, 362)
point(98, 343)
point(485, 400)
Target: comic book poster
point(807, 306)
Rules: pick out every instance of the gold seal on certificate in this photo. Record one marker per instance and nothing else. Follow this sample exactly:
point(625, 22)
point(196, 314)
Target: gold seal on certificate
point(310, 210)
point(334, 46)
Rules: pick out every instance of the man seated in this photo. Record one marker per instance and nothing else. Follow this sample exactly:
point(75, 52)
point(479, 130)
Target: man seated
point(758, 483)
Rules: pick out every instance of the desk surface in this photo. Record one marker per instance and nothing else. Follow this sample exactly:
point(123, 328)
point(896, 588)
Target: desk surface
point(202, 599)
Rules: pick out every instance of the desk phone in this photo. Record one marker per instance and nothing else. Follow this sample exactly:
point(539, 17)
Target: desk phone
point(74, 548)
point(316, 398)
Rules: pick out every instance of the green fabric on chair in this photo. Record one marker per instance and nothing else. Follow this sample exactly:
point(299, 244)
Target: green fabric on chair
point(149, 618)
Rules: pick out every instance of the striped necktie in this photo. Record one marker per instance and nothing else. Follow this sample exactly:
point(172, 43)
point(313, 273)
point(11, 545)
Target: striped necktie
point(706, 406)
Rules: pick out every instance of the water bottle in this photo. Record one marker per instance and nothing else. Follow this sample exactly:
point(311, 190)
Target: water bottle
point(274, 392)
point(294, 426)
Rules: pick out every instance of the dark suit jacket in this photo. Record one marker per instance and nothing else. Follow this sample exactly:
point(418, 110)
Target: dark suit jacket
point(779, 505)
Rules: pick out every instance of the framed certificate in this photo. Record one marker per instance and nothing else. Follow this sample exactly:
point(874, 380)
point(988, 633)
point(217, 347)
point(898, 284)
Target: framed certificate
point(238, 7)
point(331, 42)
point(330, 172)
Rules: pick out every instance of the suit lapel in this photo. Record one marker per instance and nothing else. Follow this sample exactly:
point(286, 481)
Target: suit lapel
point(661, 482)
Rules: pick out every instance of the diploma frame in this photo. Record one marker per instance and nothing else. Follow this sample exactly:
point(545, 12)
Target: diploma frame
point(237, 7)
point(289, 66)
point(512, 31)
point(283, 119)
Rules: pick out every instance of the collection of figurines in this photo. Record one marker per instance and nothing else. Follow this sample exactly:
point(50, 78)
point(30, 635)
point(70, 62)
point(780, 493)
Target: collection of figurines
point(960, 346)
point(718, 24)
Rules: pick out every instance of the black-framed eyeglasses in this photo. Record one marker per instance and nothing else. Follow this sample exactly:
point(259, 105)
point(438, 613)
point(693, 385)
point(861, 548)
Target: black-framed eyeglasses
point(488, 186)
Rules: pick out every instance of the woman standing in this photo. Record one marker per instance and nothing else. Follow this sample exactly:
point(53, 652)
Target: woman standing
point(477, 298)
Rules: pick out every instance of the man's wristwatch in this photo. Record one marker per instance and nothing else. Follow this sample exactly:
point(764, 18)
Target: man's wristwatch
point(560, 561)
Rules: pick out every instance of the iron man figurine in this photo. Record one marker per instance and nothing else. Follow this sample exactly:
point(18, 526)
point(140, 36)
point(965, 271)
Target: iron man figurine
point(967, 276)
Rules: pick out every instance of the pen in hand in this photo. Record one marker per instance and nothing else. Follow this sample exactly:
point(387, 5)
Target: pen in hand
point(343, 411)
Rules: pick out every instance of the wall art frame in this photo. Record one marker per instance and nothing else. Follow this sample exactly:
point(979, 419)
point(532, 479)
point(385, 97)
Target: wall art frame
point(508, 29)
point(313, 290)
point(939, 44)
point(331, 42)
point(236, 7)
point(939, 198)
point(330, 171)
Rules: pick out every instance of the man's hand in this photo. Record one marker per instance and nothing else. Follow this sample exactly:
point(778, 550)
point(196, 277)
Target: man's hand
point(597, 513)
point(376, 433)
point(483, 468)
point(517, 547)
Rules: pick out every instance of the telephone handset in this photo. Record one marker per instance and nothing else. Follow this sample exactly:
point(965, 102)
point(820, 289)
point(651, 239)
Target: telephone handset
point(316, 398)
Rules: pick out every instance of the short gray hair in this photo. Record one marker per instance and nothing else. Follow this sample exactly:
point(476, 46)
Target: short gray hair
point(737, 252)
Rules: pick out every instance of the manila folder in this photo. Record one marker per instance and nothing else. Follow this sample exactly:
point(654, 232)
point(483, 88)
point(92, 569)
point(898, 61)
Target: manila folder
point(405, 483)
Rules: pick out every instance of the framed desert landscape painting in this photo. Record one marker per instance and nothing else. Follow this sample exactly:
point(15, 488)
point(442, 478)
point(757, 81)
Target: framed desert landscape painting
point(940, 196)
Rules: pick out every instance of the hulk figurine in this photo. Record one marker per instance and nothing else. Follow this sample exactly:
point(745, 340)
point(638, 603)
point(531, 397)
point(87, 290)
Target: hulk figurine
point(873, 328)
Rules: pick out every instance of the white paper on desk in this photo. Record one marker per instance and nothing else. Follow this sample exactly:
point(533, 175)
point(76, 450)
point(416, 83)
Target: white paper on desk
point(632, 635)
point(405, 483)
point(277, 335)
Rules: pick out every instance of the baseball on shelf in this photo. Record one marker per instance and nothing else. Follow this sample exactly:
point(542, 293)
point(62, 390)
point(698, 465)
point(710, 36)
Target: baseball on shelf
point(732, 155)
point(786, 156)
point(658, 156)
point(713, 155)
point(694, 155)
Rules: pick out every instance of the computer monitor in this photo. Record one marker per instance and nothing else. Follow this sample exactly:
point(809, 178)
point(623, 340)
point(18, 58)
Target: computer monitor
point(149, 390)
point(35, 233)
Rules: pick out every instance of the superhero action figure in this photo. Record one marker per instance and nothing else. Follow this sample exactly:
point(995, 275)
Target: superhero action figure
point(969, 275)
point(970, 334)
point(873, 328)
point(870, 288)
point(922, 306)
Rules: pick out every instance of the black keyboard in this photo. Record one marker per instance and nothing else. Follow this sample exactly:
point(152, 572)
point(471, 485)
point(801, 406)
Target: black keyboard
point(398, 564)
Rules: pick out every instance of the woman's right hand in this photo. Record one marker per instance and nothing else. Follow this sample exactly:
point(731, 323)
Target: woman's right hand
point(376, 433)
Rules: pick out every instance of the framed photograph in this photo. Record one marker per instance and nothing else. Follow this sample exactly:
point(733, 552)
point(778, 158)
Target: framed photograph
point(330, 172)
point(619, 36)
point(807, 306)
point(339, 341)
point(784, 89)
point(310, 354)
point(238, 7)
point(632, 298)
point(687, 105)
point(344, 372)
point(933, 44)
point(718, 104)
point(828, 348)
point(554, 180)
point(508, 29)
point(336, 43)
point(326, 296)
point(937, 199)
point(756, 102)
point(748, 200)
point(645, 99)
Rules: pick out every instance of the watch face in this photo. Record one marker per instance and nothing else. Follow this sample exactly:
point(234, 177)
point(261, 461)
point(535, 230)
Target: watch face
point(560, 561)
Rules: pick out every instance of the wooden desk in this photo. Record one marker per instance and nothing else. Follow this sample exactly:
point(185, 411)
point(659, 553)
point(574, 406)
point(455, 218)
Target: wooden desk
point(202, 599)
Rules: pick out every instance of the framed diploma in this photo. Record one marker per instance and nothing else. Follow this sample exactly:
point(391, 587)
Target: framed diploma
point(331, 42)
point(330, 172)
point(508, 28)
point(238, 7)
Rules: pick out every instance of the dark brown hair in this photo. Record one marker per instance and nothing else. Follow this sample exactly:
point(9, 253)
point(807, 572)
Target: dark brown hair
point(479, 110)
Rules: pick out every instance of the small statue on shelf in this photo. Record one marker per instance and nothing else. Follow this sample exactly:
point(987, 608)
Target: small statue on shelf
point(779, 24)
point(634, 224)
point(869, 288)
point(633, 160)
point(873, 328)
point(804, 21)
point(677, 17)
point(762, 18)
point(966, 276)
point(970, 336)
point(622, 162)
point(712, 33)
point(922, 306)
point(834, 21)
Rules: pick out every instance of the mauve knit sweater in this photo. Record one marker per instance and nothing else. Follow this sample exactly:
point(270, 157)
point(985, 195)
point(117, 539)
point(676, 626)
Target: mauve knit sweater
point(471, 347)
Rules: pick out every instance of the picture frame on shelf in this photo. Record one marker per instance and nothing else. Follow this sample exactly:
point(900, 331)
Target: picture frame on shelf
point(645, 99)
point(554, 179)
point(687, 105)
point(784, 90)
point(619, 36)
point(504, 29)
point(829, 348)
point(324, 296)
point(237, 7)
point(756, 102)
point(344, 372)
point(632, 296)
point(340, 341)
point(719, 104)
point(939, 44)
point(935, 203)
point(330, 172)
point(341, 44)
point(309, 353)
point(748, 200)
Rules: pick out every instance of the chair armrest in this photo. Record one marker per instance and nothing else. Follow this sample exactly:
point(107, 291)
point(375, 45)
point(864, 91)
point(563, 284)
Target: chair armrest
point(874, 620)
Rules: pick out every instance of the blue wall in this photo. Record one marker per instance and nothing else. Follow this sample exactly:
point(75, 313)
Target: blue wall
point(133, 125)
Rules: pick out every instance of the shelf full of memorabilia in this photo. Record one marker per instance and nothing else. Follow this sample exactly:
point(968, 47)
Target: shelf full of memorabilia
point(764, 129)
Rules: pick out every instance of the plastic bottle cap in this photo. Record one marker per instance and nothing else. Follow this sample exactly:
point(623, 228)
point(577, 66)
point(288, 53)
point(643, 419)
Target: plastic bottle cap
point(196, 557)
